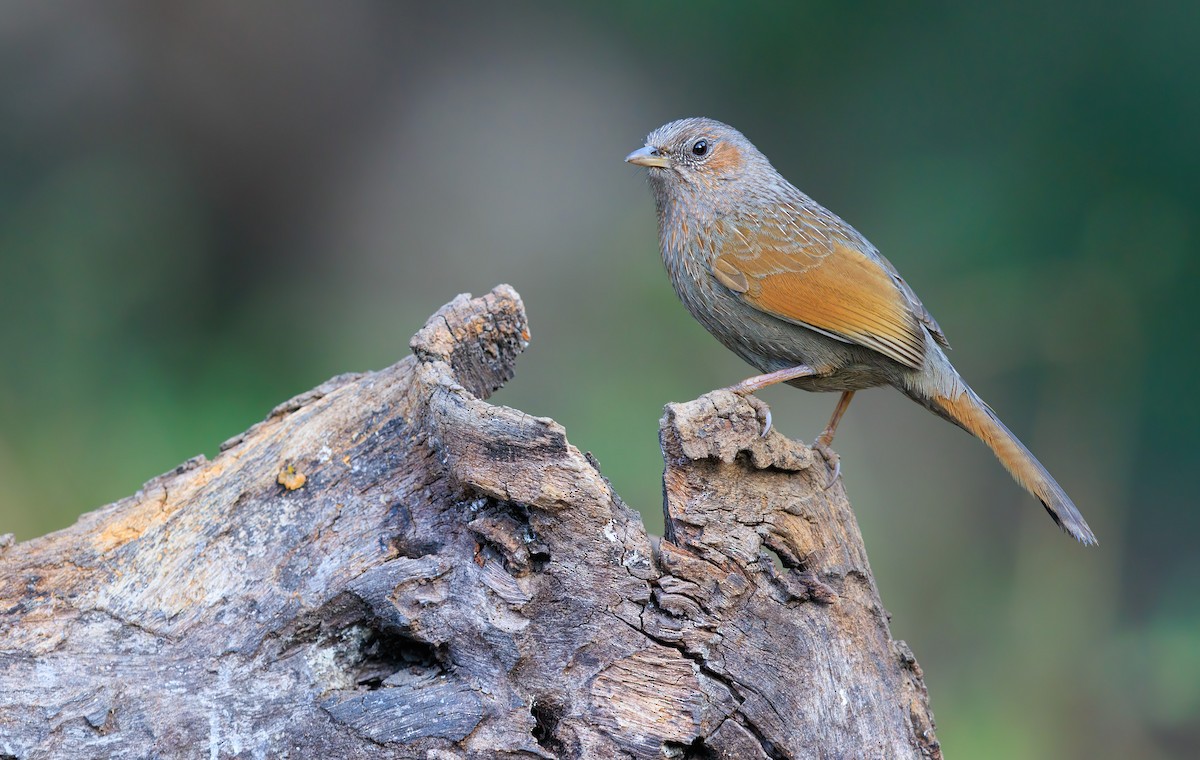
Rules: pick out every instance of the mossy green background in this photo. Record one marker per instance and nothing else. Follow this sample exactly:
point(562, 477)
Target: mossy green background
point(206, 208)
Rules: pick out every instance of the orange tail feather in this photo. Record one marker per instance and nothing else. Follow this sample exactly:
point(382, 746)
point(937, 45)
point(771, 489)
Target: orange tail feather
point(970, 413)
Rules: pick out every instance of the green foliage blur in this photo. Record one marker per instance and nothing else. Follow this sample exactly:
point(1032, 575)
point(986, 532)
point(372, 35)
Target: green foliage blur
point(206, 208)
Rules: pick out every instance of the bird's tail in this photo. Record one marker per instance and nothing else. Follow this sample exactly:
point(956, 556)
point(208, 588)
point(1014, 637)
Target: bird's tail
point(970, 413)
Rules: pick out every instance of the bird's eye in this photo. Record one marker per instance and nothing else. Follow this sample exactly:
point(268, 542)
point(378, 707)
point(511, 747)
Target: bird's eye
point(700, 147)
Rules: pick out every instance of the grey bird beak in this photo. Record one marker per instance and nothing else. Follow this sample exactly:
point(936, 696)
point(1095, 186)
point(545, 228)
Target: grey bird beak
point(648, 156)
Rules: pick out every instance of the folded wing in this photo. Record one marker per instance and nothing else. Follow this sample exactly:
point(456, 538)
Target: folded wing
point(798, 274)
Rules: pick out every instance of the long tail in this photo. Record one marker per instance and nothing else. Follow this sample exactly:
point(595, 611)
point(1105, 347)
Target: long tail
point(970, 413)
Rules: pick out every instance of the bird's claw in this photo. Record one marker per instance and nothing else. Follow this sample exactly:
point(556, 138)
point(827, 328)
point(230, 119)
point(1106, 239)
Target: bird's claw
point(761, 410)
point(830, 456)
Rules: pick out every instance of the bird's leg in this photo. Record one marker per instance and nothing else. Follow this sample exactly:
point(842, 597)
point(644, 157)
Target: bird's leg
point(750, 385)
point(825, 439)
point(758, 382)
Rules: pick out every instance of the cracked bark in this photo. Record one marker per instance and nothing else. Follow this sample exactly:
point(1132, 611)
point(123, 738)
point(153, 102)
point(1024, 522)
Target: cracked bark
point(453, 579)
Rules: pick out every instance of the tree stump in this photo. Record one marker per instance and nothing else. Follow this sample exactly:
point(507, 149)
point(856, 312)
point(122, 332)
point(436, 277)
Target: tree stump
point(389, 566)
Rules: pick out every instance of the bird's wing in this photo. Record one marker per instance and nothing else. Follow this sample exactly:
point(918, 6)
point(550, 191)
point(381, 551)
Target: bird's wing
point(831, 283)
point(918, 308)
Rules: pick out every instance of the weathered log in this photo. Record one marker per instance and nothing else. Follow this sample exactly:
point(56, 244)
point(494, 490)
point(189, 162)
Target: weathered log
point(389, 566)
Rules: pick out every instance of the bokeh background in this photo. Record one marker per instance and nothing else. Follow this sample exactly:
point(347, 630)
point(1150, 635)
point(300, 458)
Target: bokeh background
point(208, 207)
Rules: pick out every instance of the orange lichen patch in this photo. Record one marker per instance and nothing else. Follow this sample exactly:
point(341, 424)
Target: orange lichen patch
point(115, 536)
point(290, 478)
point(151, 511)
point(471, 328)
point(160, 499)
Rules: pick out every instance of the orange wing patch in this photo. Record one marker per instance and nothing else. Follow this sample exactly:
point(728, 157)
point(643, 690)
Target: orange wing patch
point(828, 286)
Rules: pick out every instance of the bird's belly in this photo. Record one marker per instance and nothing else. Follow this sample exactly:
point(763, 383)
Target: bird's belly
point(852, 378)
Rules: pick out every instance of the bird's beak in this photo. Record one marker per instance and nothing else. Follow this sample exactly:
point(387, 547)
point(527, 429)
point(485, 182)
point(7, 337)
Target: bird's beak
point(648, 156)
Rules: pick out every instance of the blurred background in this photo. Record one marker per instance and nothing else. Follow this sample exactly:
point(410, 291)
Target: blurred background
point(208, 207)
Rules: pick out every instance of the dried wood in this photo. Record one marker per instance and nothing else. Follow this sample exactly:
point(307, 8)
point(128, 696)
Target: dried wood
point(390, 566)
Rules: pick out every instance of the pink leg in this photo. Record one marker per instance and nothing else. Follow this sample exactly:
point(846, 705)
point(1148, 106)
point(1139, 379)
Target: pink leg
point(758, 382)
point(747, 387)
point(822, 444)
point(826, 438)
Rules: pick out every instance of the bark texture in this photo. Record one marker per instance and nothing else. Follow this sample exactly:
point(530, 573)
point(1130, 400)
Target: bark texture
point(389, 566)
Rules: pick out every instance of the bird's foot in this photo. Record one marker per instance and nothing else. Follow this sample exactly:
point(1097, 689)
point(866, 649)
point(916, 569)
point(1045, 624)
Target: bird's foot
point(750, 385)
point(761, 410)
point(831, 458)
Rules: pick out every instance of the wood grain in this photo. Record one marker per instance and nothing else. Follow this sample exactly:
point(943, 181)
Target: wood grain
point(390, 566)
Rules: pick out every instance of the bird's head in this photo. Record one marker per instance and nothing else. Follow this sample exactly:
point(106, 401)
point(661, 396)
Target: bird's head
point(697, 156)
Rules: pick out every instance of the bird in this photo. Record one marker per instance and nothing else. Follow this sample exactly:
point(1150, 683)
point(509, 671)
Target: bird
point(804, 298)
